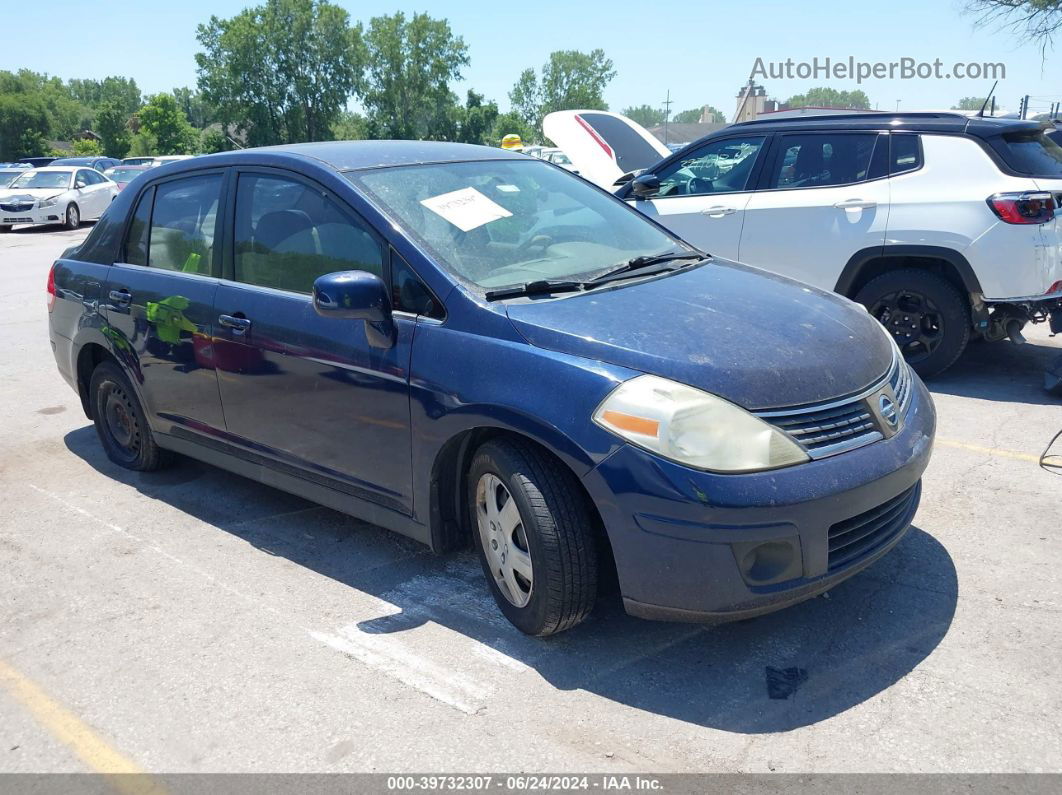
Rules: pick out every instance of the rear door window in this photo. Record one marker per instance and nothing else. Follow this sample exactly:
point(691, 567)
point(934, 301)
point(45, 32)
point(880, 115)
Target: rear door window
point(1035, 153)
point(818, 160)
point(288, 234)
point(136, 238)
point(183, 225)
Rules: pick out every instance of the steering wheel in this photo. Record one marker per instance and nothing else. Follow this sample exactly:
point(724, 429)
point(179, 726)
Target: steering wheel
point(698, 185)
point(535, 240)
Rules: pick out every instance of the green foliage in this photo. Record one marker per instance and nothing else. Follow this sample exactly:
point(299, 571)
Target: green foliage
point(112, 125)
point(693, 115)
point(830, 98)
point(512, 123)
point(969, 103)
point(143, 144)
point(66, 116)
point(645, 115)
point(24, 126)
point(407, 81)
point(349, 126)
point(120, 92)
point(282, 71)
point(477, 118)
point(213, 140)
point(163, 119)
point(85, 147)
point(201, 114)
point(568, 81)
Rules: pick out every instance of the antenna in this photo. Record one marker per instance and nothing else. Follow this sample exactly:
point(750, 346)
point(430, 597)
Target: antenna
point(981, 112)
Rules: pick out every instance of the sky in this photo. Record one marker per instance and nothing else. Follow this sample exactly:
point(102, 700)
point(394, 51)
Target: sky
point(700, 51)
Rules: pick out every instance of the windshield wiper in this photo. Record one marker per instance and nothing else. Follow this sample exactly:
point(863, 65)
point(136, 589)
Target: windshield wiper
point(541, 287)
point(637, 263)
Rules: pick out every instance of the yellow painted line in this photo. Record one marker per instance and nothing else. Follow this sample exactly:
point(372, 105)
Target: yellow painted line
point(65, 726)
point(976, 448)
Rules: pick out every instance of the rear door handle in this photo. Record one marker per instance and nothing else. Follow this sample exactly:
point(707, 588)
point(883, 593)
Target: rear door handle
point(855, 204)
point(237, 324)
point(718, 211)
point(121, 297)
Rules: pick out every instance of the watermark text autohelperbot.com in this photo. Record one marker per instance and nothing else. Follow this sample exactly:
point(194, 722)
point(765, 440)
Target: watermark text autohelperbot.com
point(851, 69)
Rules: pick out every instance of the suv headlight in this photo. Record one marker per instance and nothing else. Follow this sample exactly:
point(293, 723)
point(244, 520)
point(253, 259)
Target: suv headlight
point(49, 202)
point(694, 428)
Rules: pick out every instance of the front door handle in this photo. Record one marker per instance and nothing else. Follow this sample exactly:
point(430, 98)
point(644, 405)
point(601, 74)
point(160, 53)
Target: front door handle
point(237, 324)
point(121, 297)
point(718, 211)
point(855, 204)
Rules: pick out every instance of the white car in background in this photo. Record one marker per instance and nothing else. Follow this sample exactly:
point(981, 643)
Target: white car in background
point(559, 158)
point(56, 195)
point(163, 160)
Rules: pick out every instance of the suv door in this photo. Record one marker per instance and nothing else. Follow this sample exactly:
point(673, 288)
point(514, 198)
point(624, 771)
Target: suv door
point(703, 194)
point(159, 302)
point(304, 390)
point(825, 196)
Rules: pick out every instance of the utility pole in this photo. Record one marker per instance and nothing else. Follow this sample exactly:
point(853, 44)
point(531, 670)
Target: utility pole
point(1024, 107)
point(897, 106)
point(667, 114)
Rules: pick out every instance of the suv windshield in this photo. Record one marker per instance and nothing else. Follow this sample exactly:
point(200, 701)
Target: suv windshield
point(497, 223)
point(1035, 153)
point(43, 179)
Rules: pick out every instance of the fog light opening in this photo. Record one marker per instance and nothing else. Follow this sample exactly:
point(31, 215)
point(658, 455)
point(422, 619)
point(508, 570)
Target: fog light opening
point(767, 562)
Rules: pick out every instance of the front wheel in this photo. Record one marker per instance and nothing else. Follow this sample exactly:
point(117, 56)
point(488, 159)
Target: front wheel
point(534, 533)
point(926, 315)
point(73, 217)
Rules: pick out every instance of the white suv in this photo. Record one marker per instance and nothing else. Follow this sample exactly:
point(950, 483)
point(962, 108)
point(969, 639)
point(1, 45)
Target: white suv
point(943, 226)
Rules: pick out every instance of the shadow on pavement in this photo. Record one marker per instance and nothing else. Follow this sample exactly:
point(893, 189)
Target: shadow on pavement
point(999, 371)
point(838, 651)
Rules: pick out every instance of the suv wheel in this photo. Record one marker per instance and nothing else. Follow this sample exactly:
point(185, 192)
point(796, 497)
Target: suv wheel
point(926, 315)
point(120, 421)
point(534, 533)
point(73, 217)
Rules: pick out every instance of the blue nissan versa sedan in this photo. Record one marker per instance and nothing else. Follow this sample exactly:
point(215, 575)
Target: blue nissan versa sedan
point(465, 344)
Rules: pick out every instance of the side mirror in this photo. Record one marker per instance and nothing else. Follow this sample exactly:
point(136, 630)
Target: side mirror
point(357, 295)
point(645, 185)
point(79, 185)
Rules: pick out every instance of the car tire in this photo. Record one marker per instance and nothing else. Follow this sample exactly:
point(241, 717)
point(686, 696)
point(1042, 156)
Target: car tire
point(551, 534)
point(925, 313)
point(4, 229)
point(120, 421)
point(72, 217)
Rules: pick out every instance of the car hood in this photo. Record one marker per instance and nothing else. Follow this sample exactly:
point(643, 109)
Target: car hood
point(603, 146)
point(10, 194)
point(757, 339)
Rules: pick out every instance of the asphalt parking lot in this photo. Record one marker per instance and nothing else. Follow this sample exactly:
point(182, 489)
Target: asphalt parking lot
point(191, 620)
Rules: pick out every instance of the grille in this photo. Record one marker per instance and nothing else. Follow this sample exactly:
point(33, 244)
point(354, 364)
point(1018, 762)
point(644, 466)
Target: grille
point(826, 429)
point(862, 535)
point(16, 207)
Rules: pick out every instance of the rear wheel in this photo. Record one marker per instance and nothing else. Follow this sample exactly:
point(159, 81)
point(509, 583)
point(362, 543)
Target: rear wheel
point(534, 533)
point(926, 315)
point(120, 421)
point(73, 217)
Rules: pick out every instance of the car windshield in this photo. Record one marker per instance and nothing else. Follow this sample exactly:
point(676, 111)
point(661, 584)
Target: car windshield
point(122, 174)
point(497, 223)
point(1034, 153)
point(43, 179)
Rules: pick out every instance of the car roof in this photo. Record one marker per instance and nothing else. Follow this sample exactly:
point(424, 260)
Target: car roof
point(981, 126)
point(67, 169)
point(354, 155)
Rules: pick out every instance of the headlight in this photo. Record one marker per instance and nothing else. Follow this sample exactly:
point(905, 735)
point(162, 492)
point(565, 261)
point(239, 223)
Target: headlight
point(49, 202)
point(694, 427)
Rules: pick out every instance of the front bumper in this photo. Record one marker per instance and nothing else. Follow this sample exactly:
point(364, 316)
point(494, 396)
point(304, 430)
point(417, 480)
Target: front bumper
point(696, 546)
point(35, 215)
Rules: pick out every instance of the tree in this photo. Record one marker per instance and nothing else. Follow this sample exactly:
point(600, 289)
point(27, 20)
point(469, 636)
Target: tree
point(282, 71)
point(511, 123)
point(830, 98)
point(200, 113)
point(86, 147)
point(121, 92)
point(112, 125)
point(162, 119)
point(350, 126)
point(645, 115)
point(66, 116)
point(570, 80)
point(969, 103)
point(1038, 21)
point(693, 115)
point(24, 126)
point(143, 144)
point(477, 120)
point(407, 82)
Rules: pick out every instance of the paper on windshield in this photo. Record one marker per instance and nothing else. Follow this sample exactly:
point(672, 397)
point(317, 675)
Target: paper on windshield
point(466, 208)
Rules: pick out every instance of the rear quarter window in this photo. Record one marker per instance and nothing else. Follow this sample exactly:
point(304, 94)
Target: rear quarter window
point(1036, 153)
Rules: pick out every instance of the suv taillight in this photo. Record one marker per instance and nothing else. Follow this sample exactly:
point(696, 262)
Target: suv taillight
point(1023, 208)
point(51, 288)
